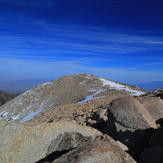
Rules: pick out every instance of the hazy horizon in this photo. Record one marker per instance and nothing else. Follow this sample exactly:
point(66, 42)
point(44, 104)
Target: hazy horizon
point(20, 86)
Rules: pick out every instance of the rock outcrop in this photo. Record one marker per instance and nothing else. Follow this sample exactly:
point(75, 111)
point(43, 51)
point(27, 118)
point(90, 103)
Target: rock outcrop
point(130, 113)
point(26, 143)
point(154, 106)
point(106, 150)
point(155, 93)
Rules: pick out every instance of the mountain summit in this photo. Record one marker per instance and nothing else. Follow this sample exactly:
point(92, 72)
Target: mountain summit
point(66, 90)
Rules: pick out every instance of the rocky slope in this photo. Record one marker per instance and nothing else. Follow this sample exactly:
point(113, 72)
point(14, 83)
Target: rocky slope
point(83, 119)
point(155, 93)
point(127, 111)
point(126, 119)
point(5, 97)
point(66, 90)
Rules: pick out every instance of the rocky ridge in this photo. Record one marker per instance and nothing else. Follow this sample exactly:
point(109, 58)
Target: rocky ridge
point(97, 121)
point(155, 93)
point(5, 97)
point(66, 90)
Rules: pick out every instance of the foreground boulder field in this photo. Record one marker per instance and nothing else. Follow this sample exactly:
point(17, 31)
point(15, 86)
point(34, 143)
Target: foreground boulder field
point(82, 118)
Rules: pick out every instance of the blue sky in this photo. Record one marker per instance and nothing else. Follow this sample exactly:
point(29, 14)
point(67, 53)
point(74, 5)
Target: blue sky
point(119, 40)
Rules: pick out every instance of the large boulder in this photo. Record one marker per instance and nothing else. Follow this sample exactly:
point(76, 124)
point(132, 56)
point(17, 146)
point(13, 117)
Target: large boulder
point(106, 150)
point(130, 113)
point(25, 143)
point(129, 122)
point(154, 105)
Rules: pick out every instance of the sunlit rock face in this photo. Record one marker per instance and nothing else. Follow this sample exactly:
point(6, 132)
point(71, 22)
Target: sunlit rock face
point(31, 143)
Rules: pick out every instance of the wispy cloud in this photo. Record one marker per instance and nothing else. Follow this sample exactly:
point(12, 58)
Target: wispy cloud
point(52, 39)
point(72, 40)
point(71, 50)
point(153, 63)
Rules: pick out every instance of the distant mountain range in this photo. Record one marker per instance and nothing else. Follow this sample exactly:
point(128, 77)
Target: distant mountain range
point(151, 86)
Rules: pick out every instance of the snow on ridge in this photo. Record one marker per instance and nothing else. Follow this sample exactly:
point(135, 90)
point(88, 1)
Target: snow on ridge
point(29, 116)
point(32, 91)
point(32, 114)
point(5, 116)
point(120, 87)
point(47, 83)
point(82, 83)
point(91, 97)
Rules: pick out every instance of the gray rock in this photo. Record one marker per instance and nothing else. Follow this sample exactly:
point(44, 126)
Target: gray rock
point(130, 113)
point(154, 105)
point(104, 151)
point(22, 143)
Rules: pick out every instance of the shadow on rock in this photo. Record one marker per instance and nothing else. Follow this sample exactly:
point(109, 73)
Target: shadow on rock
point(135, 140)
point(51, 157)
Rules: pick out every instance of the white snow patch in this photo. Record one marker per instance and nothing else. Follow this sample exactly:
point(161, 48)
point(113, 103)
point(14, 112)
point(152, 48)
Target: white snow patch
point(82, 83)
point(51, 104)
point(1, 114)
point(120, 87)
point(15, 117)
point(29, 116)
point(5, 114)
point(88, 98)
point(92, 90)
point(91, 97)
point(44, 84)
